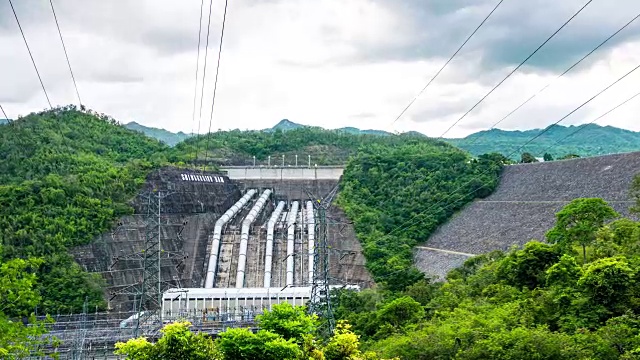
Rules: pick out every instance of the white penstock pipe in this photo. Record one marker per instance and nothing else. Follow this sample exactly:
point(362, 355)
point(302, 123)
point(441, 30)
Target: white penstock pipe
point(217, 235)
point(244, 236)
point(311, 223)
point(291, 231)
point(268, 254)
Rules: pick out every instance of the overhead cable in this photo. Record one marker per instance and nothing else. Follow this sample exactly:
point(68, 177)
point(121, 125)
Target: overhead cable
point(30, 55)
point(516, 68)
point(584, 126)
point(447, 63)
point(204, 77)
point(558, 77)
point(65, 52)
point(5, 114)
point(215, 83)
point(195, 88)
point(403, 227)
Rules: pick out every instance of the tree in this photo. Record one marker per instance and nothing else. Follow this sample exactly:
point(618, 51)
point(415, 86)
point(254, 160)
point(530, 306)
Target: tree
point(635, 194)
point(526, 158)
point(400, 312)
point(569, 156)
point(608, 281)
point(547, 157)
point(242, 344)
point(579, 221)
point(17, 297)
point(177, 342)
point(496, 158)
point(344, 345)
point(288, 321)
point(566, 272)
point(527, 267)
point(625, 231)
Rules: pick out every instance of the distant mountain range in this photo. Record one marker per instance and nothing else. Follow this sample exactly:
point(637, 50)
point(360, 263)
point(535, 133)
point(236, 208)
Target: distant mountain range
point(4, 121)
point(163, 135)
point(583, 140)
point(286, 125)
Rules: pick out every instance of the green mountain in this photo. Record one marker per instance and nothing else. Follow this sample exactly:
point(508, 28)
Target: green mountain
point(4, 121)
point(285, 125)
point(584, 140)
point(326, 147)
point(352, 130)
point(163, 135)
point(65, 177)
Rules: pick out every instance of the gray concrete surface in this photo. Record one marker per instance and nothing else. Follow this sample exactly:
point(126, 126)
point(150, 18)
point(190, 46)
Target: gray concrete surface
point(286, 173)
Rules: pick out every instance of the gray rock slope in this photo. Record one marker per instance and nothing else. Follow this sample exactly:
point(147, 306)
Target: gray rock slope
point(523, 206)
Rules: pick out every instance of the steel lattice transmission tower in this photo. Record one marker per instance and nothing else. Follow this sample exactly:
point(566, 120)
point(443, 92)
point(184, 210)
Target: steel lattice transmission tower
point(320, 302)
point(148, 292)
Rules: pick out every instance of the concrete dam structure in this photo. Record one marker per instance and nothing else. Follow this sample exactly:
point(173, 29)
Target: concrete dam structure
point(524, 205)
point(226, 236)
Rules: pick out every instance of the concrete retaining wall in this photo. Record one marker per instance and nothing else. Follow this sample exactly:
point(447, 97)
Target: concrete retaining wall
point(287, 173)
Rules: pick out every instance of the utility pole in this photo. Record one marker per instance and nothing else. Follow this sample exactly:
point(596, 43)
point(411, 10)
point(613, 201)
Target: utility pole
point(282, 160)
point(148, 292)
point(320, 302)
point(296, 160)
point(81, 333)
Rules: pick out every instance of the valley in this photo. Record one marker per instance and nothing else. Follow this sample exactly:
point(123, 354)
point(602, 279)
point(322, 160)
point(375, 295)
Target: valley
point(116, 222)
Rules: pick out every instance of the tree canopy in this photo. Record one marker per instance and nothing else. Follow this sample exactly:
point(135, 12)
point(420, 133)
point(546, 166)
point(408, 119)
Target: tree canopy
point(65, 178)
point(398, 195)
point(274, 341)
point(538, 302)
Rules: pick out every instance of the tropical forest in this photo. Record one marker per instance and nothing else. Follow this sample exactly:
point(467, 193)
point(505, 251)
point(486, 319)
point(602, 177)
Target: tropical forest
point(68, 174)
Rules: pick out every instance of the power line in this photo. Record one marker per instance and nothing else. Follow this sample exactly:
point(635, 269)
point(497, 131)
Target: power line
point(30, 55)
point(558, 77)
point(517, 68)
point(592, 121)
point(5, 114)
point(215, 83)
point(65, 52)
point(447, 63)
point(403, 227)
point(195, 88)
point(204, 76)
point(514, 70)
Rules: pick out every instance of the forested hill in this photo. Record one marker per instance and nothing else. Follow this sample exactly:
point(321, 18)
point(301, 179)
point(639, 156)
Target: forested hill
point(588, 140)
point(163, 135)
point(65, 177)
point(326, 147)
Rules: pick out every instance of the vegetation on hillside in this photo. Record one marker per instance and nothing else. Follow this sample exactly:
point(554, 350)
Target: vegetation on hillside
point(588, 140)
point(65, 177)
point(558, 143)
point(17, 294)
point(540, 302)
point(286, 333)
point(163, 135)
point(397, 196)
point(326, 147)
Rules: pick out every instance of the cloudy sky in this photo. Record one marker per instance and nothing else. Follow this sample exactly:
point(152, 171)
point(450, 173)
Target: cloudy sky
point(331, 63)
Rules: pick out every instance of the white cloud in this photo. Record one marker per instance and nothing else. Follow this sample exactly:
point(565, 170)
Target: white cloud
point(300, 60)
